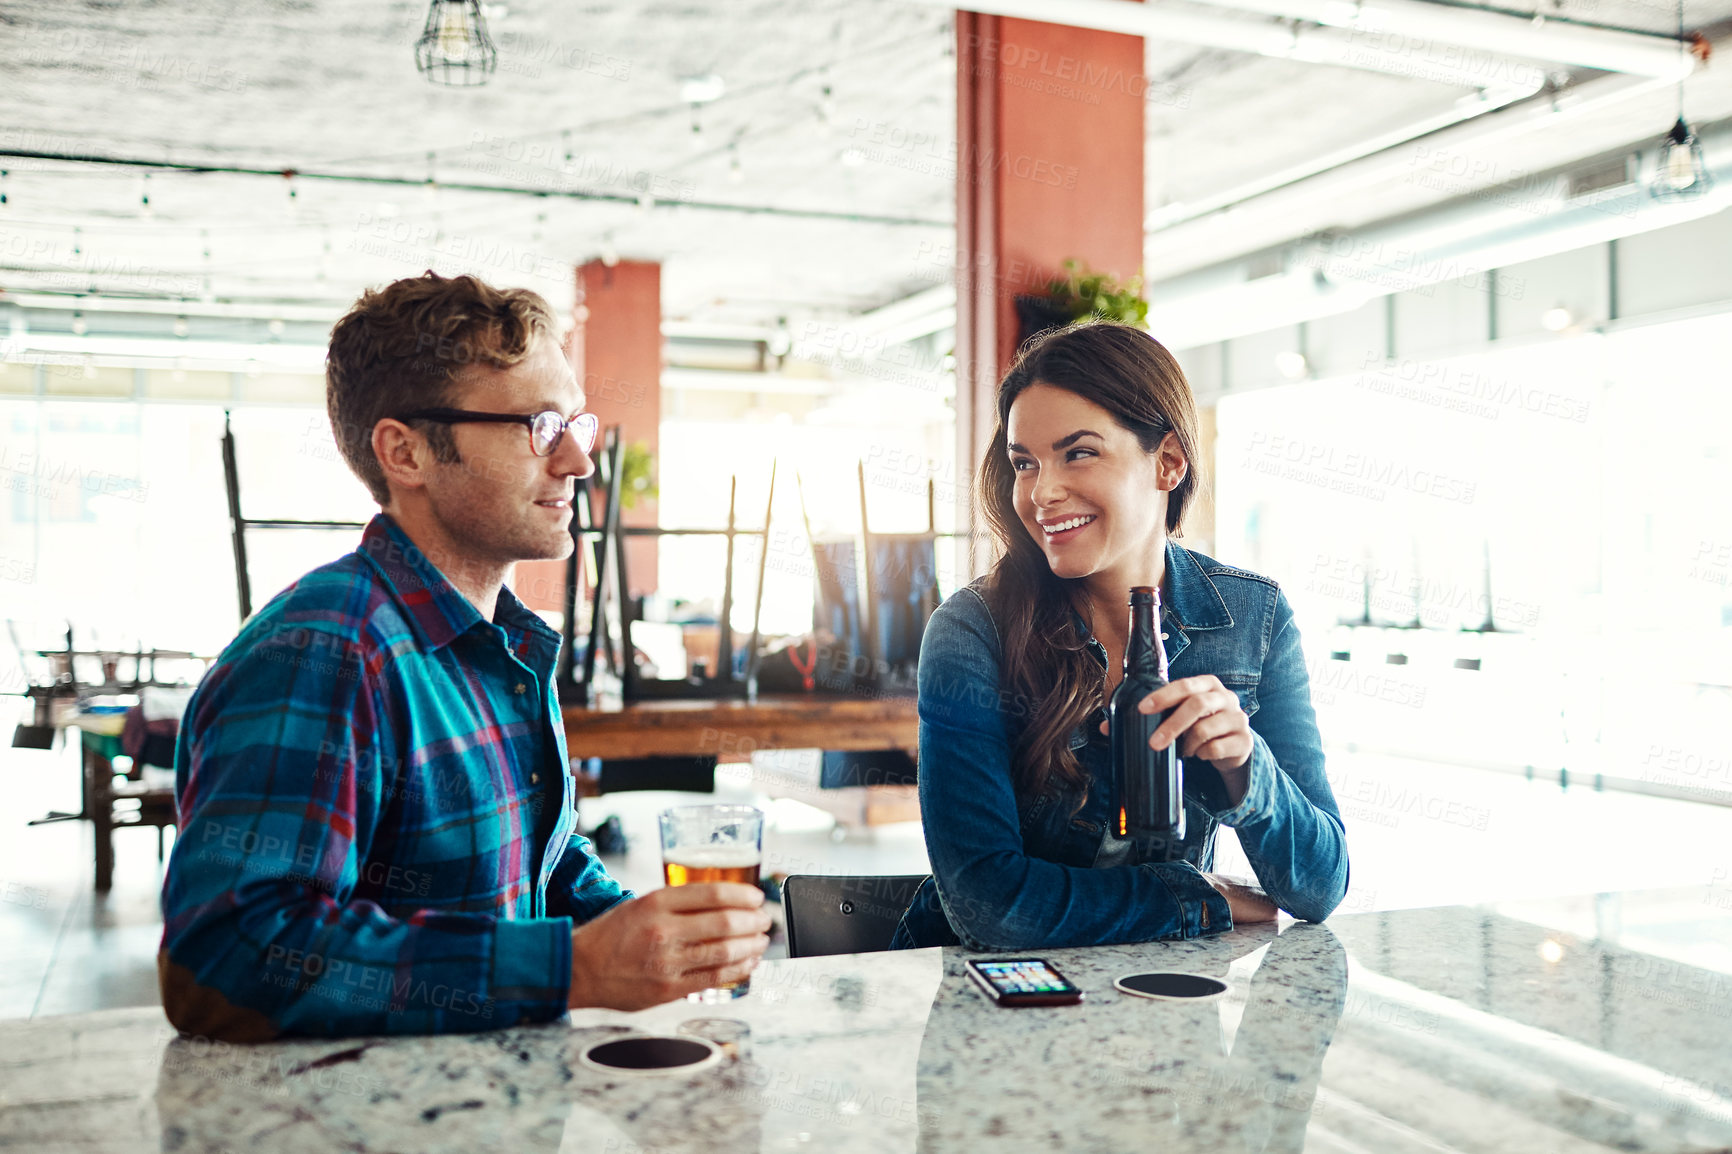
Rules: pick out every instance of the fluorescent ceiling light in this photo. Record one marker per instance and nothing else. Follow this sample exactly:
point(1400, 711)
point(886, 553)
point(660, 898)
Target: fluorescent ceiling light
point(702, 89)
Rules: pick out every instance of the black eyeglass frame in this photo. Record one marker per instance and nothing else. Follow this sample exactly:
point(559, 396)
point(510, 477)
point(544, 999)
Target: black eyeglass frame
point(587, 425)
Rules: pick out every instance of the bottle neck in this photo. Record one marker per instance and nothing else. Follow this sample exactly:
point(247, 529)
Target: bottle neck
point(1145, 656)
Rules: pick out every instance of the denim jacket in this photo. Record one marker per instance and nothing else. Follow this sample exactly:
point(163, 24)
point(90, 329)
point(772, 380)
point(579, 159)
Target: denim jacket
point(1013, 873)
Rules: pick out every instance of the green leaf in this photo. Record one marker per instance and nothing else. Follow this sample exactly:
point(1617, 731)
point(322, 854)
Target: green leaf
point(636, 475)
point(1081, 294)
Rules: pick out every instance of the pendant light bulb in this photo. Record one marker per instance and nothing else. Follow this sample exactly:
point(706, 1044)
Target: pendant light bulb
point(1681, 170)
point(454, 47)
point(452, 43)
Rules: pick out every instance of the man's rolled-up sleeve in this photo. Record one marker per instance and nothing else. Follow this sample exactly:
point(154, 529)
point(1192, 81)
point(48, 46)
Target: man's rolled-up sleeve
point(582, 888)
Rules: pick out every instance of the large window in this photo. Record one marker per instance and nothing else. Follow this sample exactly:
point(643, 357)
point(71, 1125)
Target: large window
point(1588, 474)
point(819, 451)
point(114, 516)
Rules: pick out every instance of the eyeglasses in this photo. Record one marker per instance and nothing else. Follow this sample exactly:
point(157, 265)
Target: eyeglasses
point(545, 428)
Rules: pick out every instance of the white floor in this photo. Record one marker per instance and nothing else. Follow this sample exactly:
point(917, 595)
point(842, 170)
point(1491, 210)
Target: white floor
point(1419, 834)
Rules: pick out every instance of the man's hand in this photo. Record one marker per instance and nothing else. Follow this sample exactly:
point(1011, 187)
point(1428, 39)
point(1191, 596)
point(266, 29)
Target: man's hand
point(666, 944)
point(1247, 903)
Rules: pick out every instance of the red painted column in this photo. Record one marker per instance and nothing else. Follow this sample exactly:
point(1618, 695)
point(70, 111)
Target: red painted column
point(615, 347)
point(1049, 169)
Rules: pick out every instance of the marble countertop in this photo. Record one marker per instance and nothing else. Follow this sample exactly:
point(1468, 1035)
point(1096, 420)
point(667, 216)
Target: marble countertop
point(1597, 1023)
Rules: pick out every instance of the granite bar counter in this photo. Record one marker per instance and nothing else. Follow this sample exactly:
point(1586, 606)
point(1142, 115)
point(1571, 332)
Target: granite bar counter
point(1595, 1023)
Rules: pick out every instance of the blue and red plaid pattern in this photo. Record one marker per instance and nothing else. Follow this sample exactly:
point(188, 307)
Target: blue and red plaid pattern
point(376, 825)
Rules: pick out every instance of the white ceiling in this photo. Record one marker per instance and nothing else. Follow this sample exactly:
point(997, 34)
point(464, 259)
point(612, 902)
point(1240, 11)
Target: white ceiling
point(323, 86)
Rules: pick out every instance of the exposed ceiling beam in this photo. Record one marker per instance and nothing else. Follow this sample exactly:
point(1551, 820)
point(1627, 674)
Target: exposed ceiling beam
point(1467, 108)
point(95, 303)
point(1454, 241)
point(58, 348)
point(621, 198)
point(1276, 216)
point(1292, 38)
point(1394, 26)
point(917, 315)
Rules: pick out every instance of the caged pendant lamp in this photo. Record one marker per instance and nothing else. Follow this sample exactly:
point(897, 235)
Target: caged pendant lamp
point(454, 47)
point(1681, 171)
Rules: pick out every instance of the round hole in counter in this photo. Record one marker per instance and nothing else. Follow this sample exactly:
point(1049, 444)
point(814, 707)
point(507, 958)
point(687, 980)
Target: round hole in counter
point(652, 1054)
point(1171, 986)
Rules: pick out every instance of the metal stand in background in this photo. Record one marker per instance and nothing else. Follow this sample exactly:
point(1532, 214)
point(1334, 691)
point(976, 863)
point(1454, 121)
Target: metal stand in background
point(565, 673)
point(879, 561)
point(240, 524)
point(725, 621)
point(898, 667)
point(752, 654)
point(900, 594)
point(721, 683)
point(613, 611)
point(600, 636)
point(868, 563)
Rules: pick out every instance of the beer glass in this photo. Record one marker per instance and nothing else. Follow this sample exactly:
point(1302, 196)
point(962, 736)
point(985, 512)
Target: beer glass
point(713, 843)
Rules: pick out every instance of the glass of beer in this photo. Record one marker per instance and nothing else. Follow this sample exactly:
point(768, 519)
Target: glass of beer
point(713, 843)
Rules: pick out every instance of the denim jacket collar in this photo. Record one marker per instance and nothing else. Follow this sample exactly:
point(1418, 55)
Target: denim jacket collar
point(1192, 602)
point(1191, 596)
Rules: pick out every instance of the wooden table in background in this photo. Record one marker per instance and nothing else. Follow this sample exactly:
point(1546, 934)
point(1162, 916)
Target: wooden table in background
point(731, 731)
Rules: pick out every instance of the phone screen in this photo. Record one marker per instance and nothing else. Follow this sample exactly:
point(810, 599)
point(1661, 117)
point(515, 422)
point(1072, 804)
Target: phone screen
point(1023, 976)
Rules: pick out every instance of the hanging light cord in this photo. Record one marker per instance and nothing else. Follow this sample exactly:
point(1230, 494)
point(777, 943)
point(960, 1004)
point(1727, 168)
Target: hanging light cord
point(1682, 71)
point(626, 198)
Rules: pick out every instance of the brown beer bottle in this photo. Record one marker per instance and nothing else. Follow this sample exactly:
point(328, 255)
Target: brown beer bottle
point(1151, 783)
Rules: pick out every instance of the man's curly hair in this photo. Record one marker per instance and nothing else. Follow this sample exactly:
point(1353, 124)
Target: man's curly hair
point(403, 347)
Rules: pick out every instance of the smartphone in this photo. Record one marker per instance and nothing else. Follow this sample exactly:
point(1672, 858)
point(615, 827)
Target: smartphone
point(1023, 982)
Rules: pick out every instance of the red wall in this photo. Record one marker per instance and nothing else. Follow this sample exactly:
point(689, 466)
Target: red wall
point(615, 347)
point(1050, 168)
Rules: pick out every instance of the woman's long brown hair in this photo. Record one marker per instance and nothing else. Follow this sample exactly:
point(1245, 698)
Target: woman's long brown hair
point(1046, 670)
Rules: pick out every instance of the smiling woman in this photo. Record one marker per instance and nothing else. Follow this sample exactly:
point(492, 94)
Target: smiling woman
point(1123, 454)
point(1088, 473)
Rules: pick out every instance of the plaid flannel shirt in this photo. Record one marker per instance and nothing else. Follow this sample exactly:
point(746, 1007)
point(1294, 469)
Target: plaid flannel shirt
point(376, 825)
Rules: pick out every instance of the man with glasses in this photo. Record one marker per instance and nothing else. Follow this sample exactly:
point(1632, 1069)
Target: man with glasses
point(377, 832)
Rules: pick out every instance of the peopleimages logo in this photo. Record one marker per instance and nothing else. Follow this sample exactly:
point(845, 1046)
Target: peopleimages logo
point(34, 473)
point(1069, 77)
point(1464, 390)
point(1381, 803)
point(1350, 471)
point(257, 852)
point(373, 987)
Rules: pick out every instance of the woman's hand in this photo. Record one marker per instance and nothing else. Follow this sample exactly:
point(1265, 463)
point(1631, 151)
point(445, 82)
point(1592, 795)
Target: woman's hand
point(1206, 722)
point(1246, 902)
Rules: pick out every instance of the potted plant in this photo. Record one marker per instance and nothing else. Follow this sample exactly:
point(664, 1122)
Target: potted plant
point(637, 475)
point(1078, 295)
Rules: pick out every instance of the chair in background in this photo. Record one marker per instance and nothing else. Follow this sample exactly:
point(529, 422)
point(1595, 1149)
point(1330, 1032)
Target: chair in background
point(145, 795)
point(874, 637)
point(844, 914)
point(109, 728)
